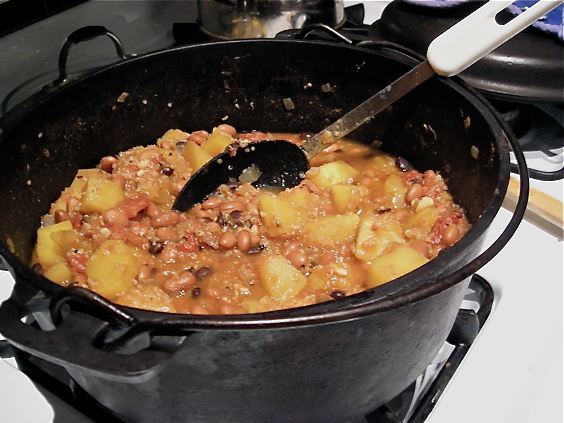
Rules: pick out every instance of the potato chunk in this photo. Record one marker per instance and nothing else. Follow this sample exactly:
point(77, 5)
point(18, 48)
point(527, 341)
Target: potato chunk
point(395, 189)
point(332, 173)
point(149, 297)
point(47, 251)
point(281, 280)
point(278, 215)
point(111, 269)
point(217, 142)
point(195, 155)
point(333, 229)
point(375, 234)
point(100, 195)
point(394, 264)
point(59, 273)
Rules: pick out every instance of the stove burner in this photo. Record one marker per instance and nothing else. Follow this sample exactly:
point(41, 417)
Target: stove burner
point(412, 406)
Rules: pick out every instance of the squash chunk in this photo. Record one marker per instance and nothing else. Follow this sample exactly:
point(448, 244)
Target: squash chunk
point(195, 155)
point(217, 142)
point(47, 251)
point(111, 269)
point(281, 280)
point(375, 234)
point(100, 195)
point(330, 230)
point(332, 173)
point(278, 215)
point(394, 264)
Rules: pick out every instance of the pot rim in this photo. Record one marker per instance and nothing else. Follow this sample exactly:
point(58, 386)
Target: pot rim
point(412, 287)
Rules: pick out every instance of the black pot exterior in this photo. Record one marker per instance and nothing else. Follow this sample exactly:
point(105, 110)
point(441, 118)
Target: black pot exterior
point(326, 373)
point(335, 369)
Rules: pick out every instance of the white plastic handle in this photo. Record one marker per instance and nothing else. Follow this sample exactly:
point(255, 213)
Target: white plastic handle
point(476, 35)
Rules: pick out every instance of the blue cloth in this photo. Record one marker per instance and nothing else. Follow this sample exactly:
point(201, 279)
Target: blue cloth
point(552, 23)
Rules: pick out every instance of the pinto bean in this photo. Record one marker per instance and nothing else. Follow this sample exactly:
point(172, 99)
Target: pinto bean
point(244, 240)
point(167, 234)
point(182, 281)
point(450, 235)
point(107, 163)
point(211, 203)
point(227, 240)
point(227, 129)
point(414, 191)
point(167, 218)
point(292, 246)
point(231, 206)
point(420, 246)
point(144, 273)
point(72, 204)
point(115, 216)
point(199, 137)
point(298, 258)
point(60, 216)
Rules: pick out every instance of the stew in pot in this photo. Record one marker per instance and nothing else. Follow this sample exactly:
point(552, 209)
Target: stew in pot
point(359, 219)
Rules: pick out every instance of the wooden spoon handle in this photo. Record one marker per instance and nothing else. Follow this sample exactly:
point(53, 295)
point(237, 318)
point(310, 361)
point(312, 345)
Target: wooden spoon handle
point(541, 205)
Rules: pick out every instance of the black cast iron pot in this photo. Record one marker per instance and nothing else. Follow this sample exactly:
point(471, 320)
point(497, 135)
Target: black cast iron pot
point(329, 362)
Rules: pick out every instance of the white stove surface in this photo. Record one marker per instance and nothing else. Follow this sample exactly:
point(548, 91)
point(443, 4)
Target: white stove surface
point(513, 372)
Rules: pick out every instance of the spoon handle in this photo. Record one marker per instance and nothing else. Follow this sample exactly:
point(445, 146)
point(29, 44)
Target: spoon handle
point(478, 34)
point(367, 110)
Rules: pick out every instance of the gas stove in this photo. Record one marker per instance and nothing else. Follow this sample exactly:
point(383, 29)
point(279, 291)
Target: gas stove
point(501, 363)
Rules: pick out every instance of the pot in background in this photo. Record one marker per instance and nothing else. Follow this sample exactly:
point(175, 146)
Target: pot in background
point(334, 361)
point(237, 19)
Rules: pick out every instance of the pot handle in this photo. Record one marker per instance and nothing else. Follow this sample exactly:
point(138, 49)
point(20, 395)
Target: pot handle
point(78, 339)
point(83, 34)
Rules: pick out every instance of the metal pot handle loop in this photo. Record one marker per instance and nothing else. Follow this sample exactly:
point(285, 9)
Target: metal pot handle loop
point(83, 34)
point(78, 341)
